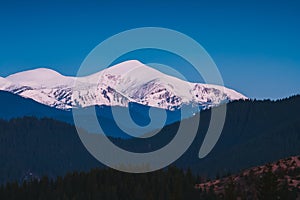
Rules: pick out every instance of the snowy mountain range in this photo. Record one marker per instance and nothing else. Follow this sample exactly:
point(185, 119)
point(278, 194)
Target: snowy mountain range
point(130, 81)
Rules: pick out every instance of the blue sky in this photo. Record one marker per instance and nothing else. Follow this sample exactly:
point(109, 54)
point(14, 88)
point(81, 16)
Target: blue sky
point(255, 44)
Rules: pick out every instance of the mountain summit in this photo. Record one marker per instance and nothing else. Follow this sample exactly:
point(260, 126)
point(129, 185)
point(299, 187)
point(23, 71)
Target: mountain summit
point(130, 81)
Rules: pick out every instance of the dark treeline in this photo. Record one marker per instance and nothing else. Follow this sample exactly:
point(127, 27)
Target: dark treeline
point(107, 184)
point(170, 184)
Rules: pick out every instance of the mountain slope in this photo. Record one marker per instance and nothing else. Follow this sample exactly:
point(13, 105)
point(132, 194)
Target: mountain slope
point(130, 81)
point(255, 133)
point(283, 175)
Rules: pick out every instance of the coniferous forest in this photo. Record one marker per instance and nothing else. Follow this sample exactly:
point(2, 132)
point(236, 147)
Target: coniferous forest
point(169, 184)
point(45, 159)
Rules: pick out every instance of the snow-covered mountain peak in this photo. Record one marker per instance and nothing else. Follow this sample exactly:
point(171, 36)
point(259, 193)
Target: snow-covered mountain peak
point(35, 73)
point(130, 81)
point(125, 67)
point(41, 77)
point(133, 68)
point(135, 73)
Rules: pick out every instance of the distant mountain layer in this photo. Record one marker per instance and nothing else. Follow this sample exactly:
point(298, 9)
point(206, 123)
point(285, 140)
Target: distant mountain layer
point(15, 106)
point(130, 81)
point(255, 132)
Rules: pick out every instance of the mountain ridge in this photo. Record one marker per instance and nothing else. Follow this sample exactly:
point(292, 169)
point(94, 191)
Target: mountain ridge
point(129, 81)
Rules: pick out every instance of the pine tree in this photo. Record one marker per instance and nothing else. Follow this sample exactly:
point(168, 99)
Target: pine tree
point(230, 190)
point(267, 186)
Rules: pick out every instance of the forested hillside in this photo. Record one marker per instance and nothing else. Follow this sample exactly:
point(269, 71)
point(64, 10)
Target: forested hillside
point(279, 180)
point(255, 132)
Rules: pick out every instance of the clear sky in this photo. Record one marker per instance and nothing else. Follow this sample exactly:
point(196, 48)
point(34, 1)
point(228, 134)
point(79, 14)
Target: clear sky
point(255, 44)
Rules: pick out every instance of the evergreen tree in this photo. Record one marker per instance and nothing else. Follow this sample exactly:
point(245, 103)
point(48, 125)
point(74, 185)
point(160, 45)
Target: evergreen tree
point(267, 186)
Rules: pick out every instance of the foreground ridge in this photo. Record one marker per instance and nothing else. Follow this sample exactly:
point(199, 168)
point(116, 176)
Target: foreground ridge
point(281, 178)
